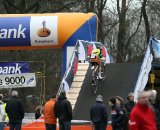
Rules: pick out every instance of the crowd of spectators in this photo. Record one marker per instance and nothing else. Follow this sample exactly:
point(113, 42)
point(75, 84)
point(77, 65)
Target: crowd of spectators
point(125, 114)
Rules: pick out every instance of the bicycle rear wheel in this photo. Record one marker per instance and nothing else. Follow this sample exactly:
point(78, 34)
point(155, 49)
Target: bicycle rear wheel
point(101, 81)
point(103, 71)
point(94, 85)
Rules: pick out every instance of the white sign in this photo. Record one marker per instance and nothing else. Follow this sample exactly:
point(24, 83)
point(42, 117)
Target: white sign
point(18, 80)
point(43, 30)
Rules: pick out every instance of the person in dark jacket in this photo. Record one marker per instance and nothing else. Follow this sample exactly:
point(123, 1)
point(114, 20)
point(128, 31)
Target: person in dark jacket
point(15, 111)
point(63, 111)
point(130, 102)
point(98, 114)
point(152, 101)
point(119, 103)
point(116, 114)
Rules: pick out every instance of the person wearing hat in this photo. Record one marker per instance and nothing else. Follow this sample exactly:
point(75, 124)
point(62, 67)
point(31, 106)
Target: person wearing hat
point(116, 114)
point(63, 111)
point(98, 114)
point(15, 111)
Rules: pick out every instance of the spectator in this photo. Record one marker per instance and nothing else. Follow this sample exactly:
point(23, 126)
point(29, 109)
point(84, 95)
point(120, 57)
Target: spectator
point(119, 103)
point(116, 114)
point(2, 113)
point(152, 100)
point(15, 111)
point(98, 114)
point(158, 102)
point(130, 102)
point(38, 112)
point(142, 116)
point(4, 100)
point(63, 111)
point(49, 116)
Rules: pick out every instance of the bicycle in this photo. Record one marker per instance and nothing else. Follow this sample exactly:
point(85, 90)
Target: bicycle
point(96, 62)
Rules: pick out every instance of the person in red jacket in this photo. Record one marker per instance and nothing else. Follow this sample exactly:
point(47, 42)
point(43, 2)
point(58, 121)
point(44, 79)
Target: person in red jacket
point(142, 116)
point(49, 117)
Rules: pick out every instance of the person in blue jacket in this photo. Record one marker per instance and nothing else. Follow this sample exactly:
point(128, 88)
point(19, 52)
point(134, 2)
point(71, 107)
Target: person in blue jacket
point(98, 114)
point(15, 111)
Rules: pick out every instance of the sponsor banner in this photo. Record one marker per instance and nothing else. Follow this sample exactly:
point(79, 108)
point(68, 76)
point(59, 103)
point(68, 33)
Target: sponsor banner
point(18, 80)
point(14, 31)
point(43, 30)
point(14, 67)
point(28, 31)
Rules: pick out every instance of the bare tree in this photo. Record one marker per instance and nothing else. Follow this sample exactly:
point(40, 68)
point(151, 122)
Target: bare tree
point(122, 30)
point(21, 6)
point(154, 16)
point(97, 6)
point(129, 22)
point(146, 21)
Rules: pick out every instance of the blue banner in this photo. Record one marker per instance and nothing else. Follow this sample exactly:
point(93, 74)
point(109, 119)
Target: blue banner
point(28, 31)
point(15, 31)
point(14, 67)
point(156, 48)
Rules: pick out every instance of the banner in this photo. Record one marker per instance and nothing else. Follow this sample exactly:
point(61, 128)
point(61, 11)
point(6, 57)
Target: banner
point(156, 47)
point(28, 31)
point(18, 80)
point(144, 71)
point(14, 67)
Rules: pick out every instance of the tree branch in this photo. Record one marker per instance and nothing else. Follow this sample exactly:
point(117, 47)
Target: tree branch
point(118, 8)
point(128, 41)
point(14, 6)
point(104, 3)
point(60, 9)
point(35, 5)
point(111, 28)
point(147, 26)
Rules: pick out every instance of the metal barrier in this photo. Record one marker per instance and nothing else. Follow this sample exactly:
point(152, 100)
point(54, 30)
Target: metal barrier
point(28, 118)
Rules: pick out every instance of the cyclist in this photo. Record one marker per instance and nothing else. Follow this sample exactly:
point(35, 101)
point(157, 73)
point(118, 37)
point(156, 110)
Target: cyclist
point(98, 53)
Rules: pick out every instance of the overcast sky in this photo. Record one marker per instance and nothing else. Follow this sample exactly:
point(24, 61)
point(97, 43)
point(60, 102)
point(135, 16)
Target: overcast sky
point(112, 3)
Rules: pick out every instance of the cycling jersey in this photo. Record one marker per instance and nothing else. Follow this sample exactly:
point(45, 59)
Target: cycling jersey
point(97, 52)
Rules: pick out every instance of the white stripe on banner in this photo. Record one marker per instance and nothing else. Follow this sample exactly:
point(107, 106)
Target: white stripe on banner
point(108, 61)
point(143, 74)
point(18, 80)
point(81, 52)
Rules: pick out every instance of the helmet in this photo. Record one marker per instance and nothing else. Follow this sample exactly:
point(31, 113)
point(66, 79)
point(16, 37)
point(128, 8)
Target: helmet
point(99, 47)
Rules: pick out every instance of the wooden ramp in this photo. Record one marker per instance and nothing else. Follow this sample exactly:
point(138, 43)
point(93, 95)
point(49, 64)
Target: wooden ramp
point(77, 83)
